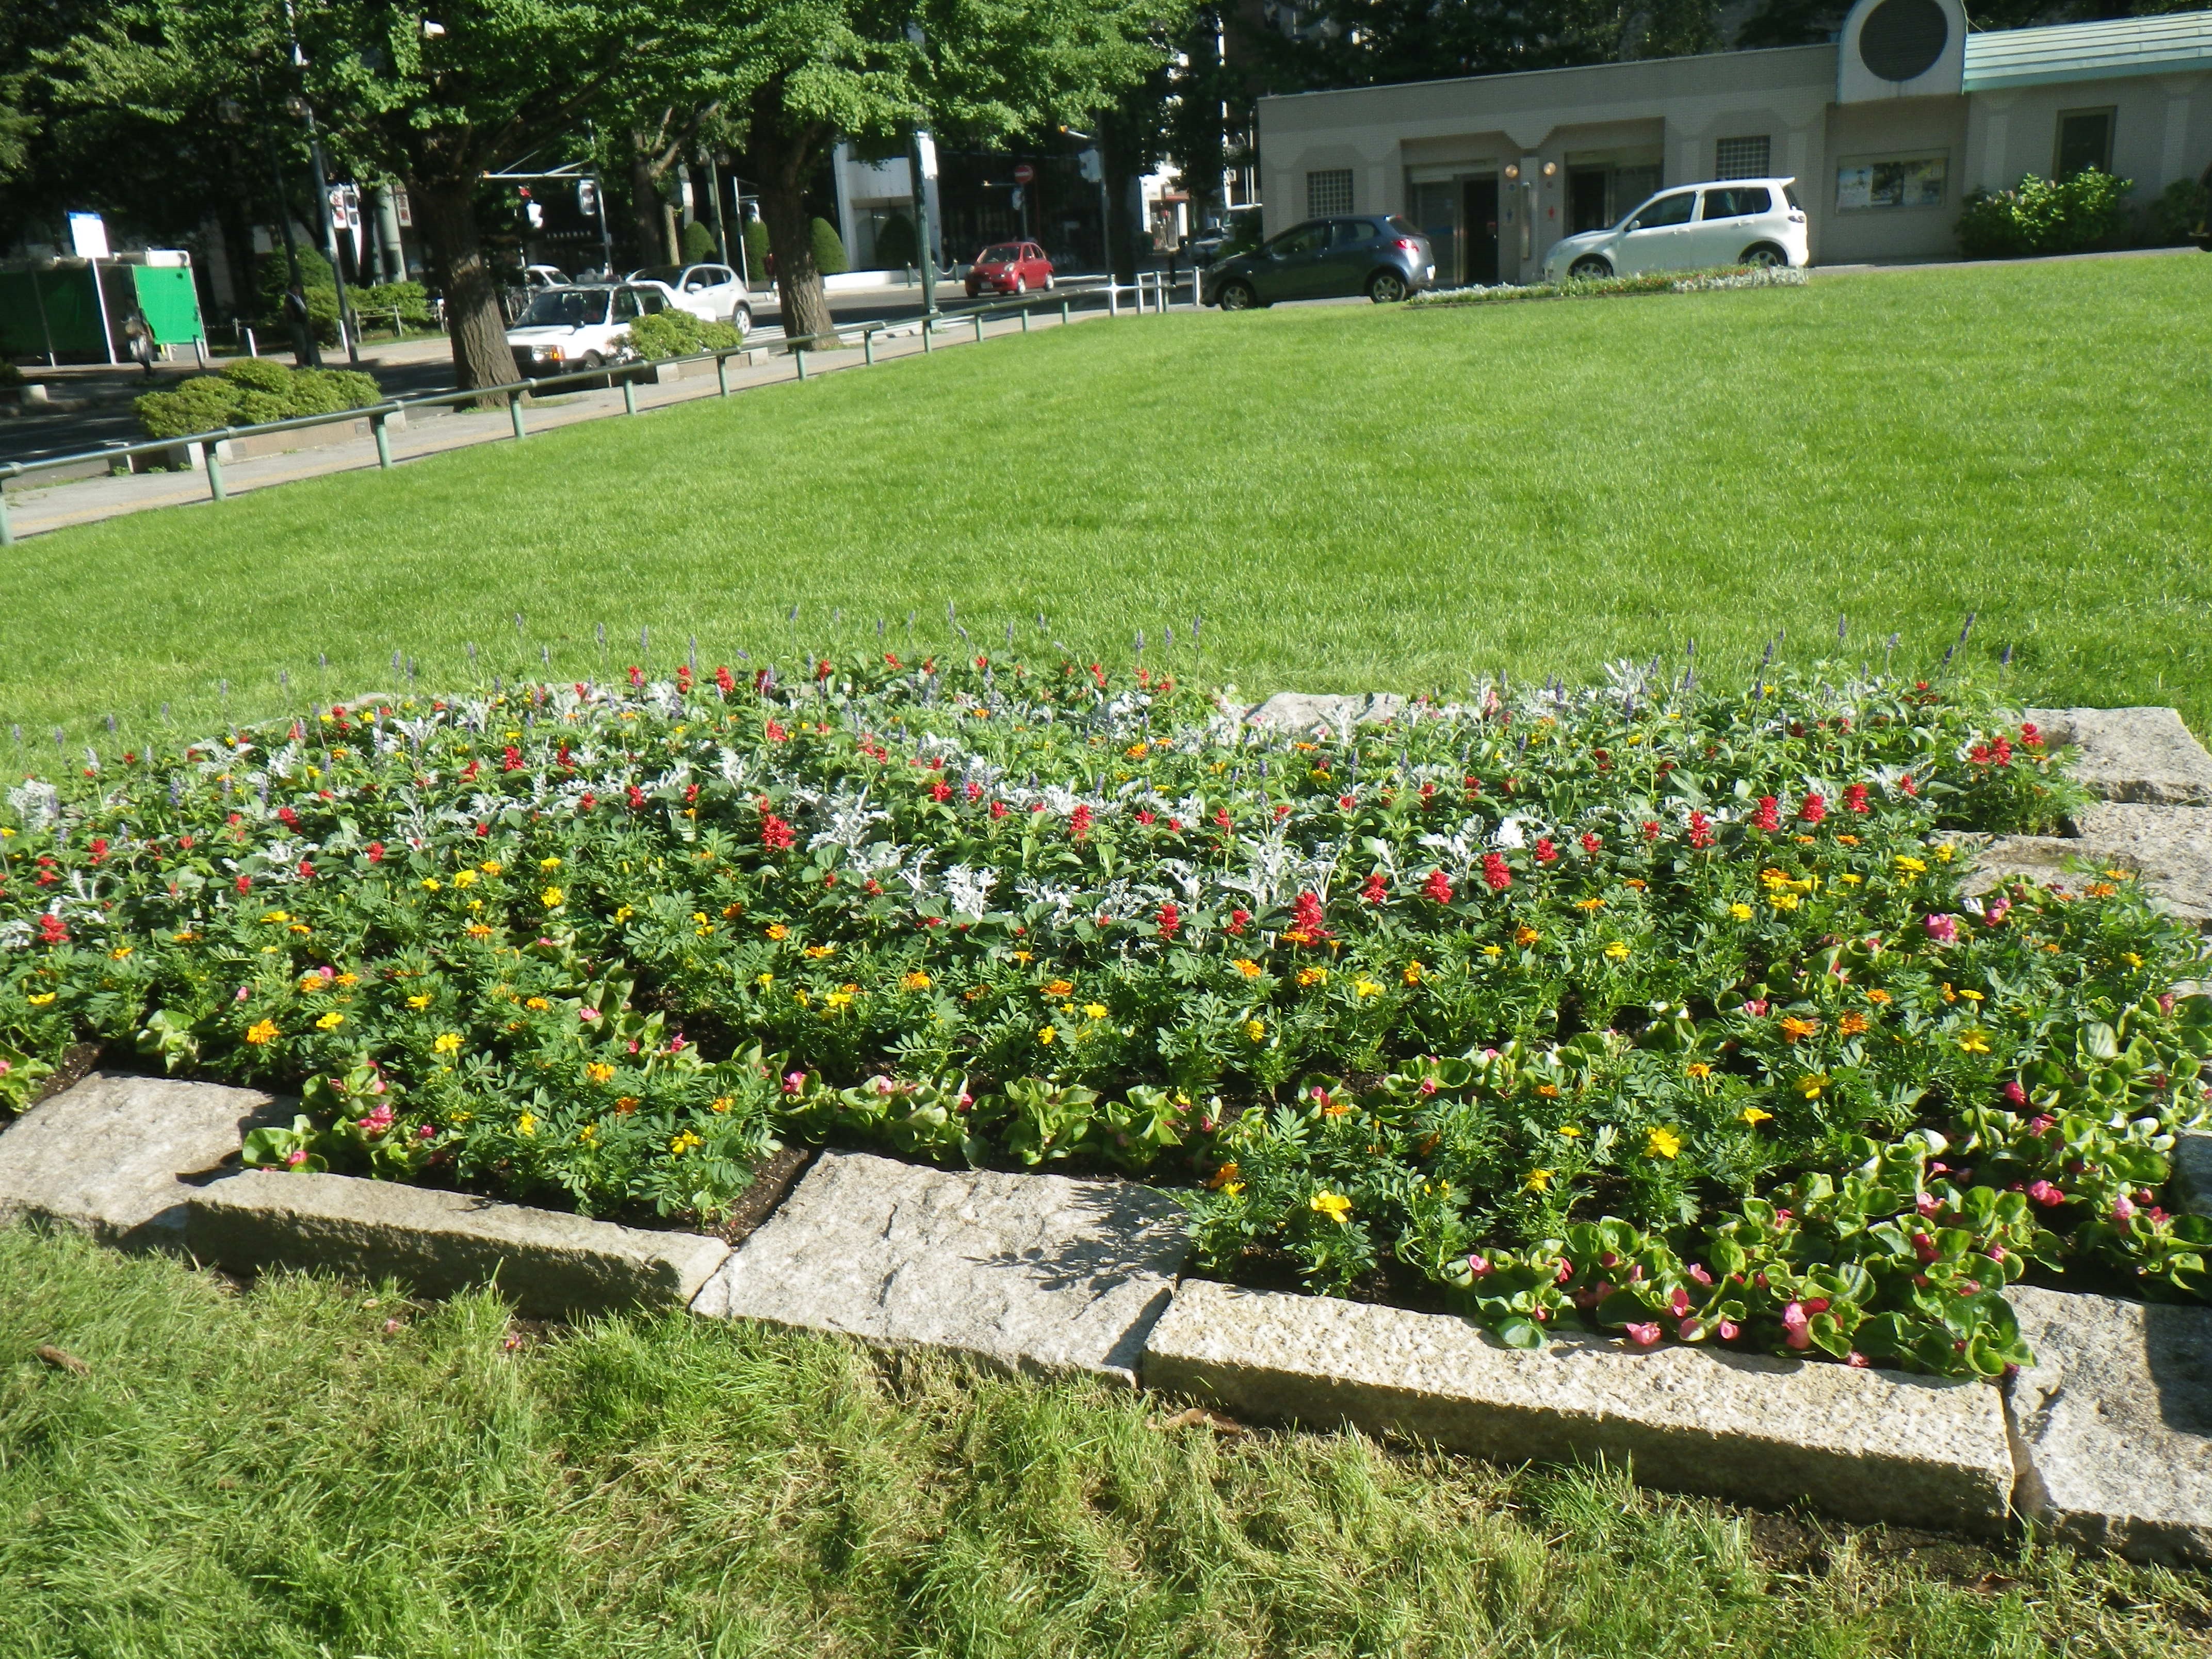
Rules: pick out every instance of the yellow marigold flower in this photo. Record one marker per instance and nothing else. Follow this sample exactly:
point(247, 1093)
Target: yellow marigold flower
point(776, 930)
point(801, 998)
point(1618, 950)
point(419, 1001)
point(1365, 987)
point(122, 951)
point(184, 937)
point(347, 979)
point(1095, 1010)
point(1588, 905)
point(491, 867)
point(1571, 1131)
point(447, 1043)
point(330, 1022)
point(1741, 912)
point(1753, 1116)
point(1537, 1181)
point(1974, 1042)
point(684, 1143)
point(464, 878)
point(624, 914)
point(261, 1031)
point(1255, 1030)
point(598, 1071)
point(764, 980)
point(1493, 951)
point(1813, 1086)
point(1700, 1069)
point(1910, 866)
point(296, 927)
point(552, 898)
point(837, 999)
point(41, 1000)
point(1335, 1206)
point(1774, 879)
point(549, 864)
point(1059, 988)
point(1247, 967)
point(537, 1005)
point(1946, 853)
point(2128, 956)
point(1661, 1142)
point(916, 981)
point(526, 1125)
point(479, 930)
point(277, 916)
point(1850, 878)
point(432, 884)
point(1223, 1176)
point(1024, 956)
point(721, 1103)
point(588, 1134)
point(1415, 972)
point(816, 952)
point(1046, 1034)
point(1972, 996)
point(1879, 997)
point(1783, 901)
point(1308, 976)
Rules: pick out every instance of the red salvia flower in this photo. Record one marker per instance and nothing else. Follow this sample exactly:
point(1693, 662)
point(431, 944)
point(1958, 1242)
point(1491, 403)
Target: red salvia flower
point(1306, 918)
point(1650, 829)
point(1171, 920)
point(1591, 845)
point(51, 930)
point(1770, 813)
point(510, 759)
point(1855, 798)
point(1495, 875)
point(775, 835)
point(1238, 921)
point(1439, 887)
point(724, 681)
point(940, 791)
point(636, 798)
point(1546, 853)
point(1376, 889)
point(1813, 808)
point(1701, 830)
point(1078, 821)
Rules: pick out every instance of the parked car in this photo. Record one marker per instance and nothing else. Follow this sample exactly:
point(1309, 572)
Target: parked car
point(1743, 221)
point(1382, 255)
point(1009, 268)
point(713, 292)
point(568, 329)
point(536, 277)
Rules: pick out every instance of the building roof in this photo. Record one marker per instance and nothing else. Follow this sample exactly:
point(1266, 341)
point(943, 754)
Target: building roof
point(2176, 43)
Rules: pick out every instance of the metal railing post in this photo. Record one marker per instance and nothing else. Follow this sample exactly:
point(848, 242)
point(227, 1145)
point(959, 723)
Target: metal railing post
point(212, 450)
point(1063, 313)
point(383, 441)
point(1025, 320)
point(800, 353)
point(629, 395)
point(978, 328)
point(1113, 298)
point(514, 413)
point(868, 348)
point(925, 334)
point(722, 372)
point(6, 530)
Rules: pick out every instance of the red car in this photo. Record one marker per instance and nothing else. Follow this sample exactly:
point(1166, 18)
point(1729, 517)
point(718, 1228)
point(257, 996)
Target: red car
point(1009, 268)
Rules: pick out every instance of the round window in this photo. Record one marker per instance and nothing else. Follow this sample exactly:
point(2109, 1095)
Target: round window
point(1902, 39)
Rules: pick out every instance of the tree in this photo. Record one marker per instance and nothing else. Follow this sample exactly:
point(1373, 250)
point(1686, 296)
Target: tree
point(799, 75)
point(1378, 42)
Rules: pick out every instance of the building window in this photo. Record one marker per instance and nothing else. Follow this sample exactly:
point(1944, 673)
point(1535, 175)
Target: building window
point(1912, 181)
point(1743, 158)
point(1329, 193)
point(2085, 140)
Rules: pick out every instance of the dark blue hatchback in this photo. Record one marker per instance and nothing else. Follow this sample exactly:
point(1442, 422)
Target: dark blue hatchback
point(1380, 255)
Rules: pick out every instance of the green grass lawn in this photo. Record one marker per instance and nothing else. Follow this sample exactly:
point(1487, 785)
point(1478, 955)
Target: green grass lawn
point(276, 1474)
point(1351, 497)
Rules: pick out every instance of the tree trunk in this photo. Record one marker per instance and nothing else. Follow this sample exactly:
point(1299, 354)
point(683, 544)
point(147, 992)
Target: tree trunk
point(647, 239)
point(785, 160)
point(447, 214)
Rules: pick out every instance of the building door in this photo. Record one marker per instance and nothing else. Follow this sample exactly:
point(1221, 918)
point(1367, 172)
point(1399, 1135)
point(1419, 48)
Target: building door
point(1479, 241)
point(1590, 199)
point(1436, 210)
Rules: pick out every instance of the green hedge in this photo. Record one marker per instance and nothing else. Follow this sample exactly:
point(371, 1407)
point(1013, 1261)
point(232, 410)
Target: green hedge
point(250, 392)
point(829, 250)
point(2179, 214)
point(2044, 216)
point(679, 334)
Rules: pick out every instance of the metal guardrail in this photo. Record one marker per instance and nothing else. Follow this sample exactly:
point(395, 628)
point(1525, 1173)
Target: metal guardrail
point(210, 443)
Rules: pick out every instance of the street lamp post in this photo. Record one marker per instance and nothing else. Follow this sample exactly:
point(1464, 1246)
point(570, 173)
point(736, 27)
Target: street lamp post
point(306, 111)
point(303, 332)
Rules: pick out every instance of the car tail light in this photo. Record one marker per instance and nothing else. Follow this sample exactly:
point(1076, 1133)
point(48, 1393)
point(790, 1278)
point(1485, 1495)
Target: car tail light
point(1409, 245)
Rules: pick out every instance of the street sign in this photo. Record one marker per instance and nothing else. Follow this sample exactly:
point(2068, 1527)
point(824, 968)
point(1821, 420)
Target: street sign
point(1024, 173)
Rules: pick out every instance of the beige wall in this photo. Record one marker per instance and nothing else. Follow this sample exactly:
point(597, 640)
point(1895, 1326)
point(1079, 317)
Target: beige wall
point(1683, 106)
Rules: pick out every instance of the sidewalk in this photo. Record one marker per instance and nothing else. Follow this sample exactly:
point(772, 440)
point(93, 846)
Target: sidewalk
point(33, 510)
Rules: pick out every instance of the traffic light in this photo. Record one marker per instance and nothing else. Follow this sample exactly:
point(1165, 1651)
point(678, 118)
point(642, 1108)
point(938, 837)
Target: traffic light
point(587, 197)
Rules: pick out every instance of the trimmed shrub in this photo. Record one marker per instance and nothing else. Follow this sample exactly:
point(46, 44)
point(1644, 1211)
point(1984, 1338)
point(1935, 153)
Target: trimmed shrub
point(2044, 216)
point(316, 282)
point(678, 334)
point(756, 250)
point(2181, 213)
point(829, 250)
point(375, 304)
point(698, 243)
point(250, 392)
point(896, 244)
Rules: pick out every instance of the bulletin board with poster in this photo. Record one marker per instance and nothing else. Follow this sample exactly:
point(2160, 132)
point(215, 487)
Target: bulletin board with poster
point(1904, 181)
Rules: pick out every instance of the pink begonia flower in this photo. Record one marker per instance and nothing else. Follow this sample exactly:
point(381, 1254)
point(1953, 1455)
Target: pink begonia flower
point(1679, 1303)
point(1756, 1008)
point(587, 1013)
point(1925, 1247)
point(1565, 1273)
point(2046, 1194)
point(1689, 1330)
point(2124, 1208)
point(295, 1157)
point(794, 1082)
point(428, 1132)
point(1927, 1204)
point(1727, 1330)
point(1698, 1272)
point(2015, 1094)
point(1857, 1359)
point(1643, 1336)
point(1795, 1322)
point(243, 992)
point(1943, 929)
point(1480, 1266)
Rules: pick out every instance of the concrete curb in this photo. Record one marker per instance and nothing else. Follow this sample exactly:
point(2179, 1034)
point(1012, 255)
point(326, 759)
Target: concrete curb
point(440, 1242)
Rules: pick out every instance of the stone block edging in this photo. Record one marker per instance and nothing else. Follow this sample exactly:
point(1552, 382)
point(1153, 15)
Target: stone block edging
point(550, 1263)
point(1864, 1444)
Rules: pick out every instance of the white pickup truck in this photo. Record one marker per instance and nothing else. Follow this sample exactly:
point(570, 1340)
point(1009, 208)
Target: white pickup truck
point(568, 329)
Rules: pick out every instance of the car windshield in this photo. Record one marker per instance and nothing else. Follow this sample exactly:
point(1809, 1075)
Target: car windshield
point(667, 274)
point(1005, 254)
point(566, 307)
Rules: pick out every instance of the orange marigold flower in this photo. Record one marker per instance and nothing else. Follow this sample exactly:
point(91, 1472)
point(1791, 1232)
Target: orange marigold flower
point(1851, 1024)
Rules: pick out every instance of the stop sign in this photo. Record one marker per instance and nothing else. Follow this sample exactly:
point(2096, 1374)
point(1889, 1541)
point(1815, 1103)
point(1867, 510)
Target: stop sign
point(1024, 173)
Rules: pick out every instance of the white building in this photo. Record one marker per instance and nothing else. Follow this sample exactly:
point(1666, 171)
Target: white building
point(1887, 130)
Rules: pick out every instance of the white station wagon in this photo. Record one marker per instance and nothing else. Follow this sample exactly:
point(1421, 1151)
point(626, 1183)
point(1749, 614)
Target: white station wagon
point(1743, 221)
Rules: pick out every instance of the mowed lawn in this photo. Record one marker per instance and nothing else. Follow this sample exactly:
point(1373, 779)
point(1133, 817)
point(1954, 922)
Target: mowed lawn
point(1351, 497)
point(315, 1470)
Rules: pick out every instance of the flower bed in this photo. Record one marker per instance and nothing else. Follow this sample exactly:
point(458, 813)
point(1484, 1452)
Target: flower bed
point(1643, 1008)
point(1610, 288)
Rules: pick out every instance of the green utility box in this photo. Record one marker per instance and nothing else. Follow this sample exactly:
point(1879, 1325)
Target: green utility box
point(54, 308)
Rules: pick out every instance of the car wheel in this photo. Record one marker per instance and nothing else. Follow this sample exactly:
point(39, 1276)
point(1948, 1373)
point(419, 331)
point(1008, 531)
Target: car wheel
point(1048, 282)
point(1386, 288)
point(1765, 257)
point(592, 359)
point(1589, 269)
point(741, 320)
point(1237, 296)
point(1021, 286)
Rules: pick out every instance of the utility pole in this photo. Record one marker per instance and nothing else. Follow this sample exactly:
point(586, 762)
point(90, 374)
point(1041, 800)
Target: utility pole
point(306, 111)
point(714, 184)
point(303, 333)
